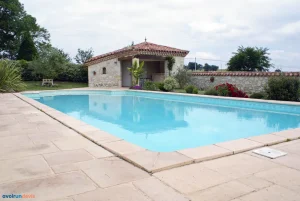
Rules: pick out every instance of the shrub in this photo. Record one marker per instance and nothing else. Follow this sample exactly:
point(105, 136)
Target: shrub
point(189, 89)
point(10, 77)
point(160, 86)
point(73, 73)
point(283, 88)
point(211, 92)
point(182, 77)
point(230, 90)
point(151, 86)
point(170, 83)
point(195, 90)
point(258, 95)
point(26, 71)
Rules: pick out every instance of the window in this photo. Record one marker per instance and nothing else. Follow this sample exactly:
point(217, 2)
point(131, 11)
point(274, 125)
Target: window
point(104, 70)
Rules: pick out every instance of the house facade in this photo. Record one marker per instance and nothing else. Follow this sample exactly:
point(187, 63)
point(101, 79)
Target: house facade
point(111, 69)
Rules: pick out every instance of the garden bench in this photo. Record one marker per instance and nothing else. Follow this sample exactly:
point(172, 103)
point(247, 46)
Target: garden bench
point(48, 82)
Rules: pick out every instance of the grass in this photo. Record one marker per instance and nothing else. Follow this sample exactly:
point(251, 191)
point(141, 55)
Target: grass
point(37, 85)
point(183, 91)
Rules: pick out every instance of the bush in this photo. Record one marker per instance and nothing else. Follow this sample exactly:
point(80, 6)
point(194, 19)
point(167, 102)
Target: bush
point(182, 77)
point(73, 73)
point(26, 71)
point(283, 88)
point(230, 90)
point(160, 86)
point(195, 90)
point(151, 86)
point(258, 95)
point(211, 92)
point(189, 89)
point(10, 77)
point(170, 83)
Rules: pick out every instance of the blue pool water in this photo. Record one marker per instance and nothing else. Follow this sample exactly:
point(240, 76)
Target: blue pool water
point(166, 122)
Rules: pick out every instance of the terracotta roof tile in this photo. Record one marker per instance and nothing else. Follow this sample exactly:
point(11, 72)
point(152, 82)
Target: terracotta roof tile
point(141, 48)
point(242, 73)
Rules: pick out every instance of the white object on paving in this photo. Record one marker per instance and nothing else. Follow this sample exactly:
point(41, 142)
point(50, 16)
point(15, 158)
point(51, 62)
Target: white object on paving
point(268, 152)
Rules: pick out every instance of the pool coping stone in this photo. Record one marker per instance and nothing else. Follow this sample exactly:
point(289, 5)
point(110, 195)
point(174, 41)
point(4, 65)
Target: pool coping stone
point(177, 158)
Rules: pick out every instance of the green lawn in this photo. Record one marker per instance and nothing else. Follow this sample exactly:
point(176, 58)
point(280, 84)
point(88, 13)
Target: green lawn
point(37, 86)
point(183, 91)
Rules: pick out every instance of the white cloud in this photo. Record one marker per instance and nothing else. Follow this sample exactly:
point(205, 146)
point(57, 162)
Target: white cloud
point(204, 55)
point(214, 27)
point(290, 28)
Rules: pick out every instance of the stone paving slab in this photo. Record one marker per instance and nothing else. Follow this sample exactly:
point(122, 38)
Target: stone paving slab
point(191, 178)
point(240, 145)
point(283, 176)
point(254, 182)
point(26, 150)
point(272, 193)
point(65, 157)
point(23, 168)
point(55, 187)
point(158, 191)
point(117, 193)
point(158, 161)
point(111, 171)
point(268, 139)
point(206, 152)
point(239, 165)
point(222, 192)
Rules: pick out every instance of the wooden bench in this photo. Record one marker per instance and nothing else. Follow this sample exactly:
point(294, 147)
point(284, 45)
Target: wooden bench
point(48, 82)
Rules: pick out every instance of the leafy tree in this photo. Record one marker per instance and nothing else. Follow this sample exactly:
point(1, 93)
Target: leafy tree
point(27, 49)
point(250, 59)
point(182, 77)
point(49, 64)
point(83, 55)
point(191, 66)
point(208, 67)
point(278, 70)
point(137, 71)
point(171, 62)
point(14, 23)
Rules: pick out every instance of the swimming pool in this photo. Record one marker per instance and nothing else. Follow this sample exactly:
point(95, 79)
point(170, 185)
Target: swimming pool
point(165, 122)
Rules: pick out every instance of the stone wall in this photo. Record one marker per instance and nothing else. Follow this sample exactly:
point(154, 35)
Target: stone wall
point(112, 78)
point(247, 81)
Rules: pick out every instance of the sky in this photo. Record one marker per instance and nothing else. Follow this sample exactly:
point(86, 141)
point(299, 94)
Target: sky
point(209, 29)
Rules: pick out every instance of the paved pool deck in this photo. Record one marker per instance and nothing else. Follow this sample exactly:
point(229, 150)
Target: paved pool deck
point(43, 157)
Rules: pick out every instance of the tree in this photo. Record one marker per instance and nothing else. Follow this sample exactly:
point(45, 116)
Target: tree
point(278, 70)
point(191, 66)
point(208, 67)
point(14, 23)
point(27, 50)
point(250, 59)
point(137, 71)
point(49, 64)
point(171, 62)
point(182, 77)
point(83, 55)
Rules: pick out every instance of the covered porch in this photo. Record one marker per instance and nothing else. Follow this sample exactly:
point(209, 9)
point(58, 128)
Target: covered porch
point(154, 66)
